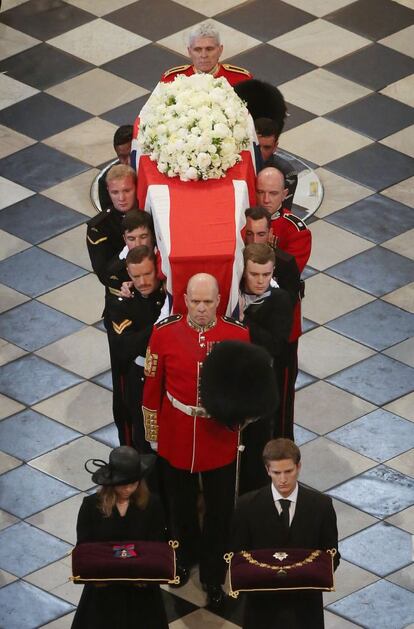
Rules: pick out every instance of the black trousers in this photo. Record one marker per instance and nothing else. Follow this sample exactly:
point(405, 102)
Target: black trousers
point(286, 375)
point(206, 542)
point(122, 417)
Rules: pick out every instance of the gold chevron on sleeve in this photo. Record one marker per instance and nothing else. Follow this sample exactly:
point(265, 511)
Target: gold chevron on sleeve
point(97, 242)
point(120, 327)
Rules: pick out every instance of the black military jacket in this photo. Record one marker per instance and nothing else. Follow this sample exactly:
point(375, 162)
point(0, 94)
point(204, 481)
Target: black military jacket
point(130, 322)
point(104, 238)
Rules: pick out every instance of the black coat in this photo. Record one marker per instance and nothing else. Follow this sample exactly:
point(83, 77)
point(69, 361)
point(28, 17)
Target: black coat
point(257, 524)
point(120, 606)
point(270, 322)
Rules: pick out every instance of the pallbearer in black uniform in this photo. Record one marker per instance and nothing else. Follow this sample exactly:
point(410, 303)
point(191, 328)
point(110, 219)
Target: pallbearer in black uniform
point(104, 239)
point(131, 320)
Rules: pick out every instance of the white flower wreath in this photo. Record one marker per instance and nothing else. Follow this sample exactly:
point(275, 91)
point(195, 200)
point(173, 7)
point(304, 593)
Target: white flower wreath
point(194, 127)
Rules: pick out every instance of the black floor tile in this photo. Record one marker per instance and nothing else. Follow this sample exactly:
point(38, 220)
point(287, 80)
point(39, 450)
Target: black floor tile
point(126, 114)
point(376, 218)
point(45, 19)
point(176, 607)
point(233, 610)
point(264, 19)
point(296, 116)
point(154, 20)
point(48, 115)
point(377, 324)
point(376, 116)
point(377, 271)
point(272, 65)
point(43, 66)
point(30, 380)
point(373, 18)
point(29, 606)
point(374, 66)
point(34, 272)
point(39, 167)
point(38, 218)
point(46, 325)
point(375, 166)
point(28, 435)
point(145, 66)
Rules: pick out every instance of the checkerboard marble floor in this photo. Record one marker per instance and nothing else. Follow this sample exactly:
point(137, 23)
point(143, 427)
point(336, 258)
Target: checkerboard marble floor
point(70, 73)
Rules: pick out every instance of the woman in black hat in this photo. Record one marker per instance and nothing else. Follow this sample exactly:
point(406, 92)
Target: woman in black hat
point(121, 510)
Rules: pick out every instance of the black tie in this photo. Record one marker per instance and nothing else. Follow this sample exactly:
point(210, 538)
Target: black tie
point(285, 504)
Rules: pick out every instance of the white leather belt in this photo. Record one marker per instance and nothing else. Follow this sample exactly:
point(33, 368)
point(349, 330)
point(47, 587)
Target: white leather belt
point(193, 411)
point(140, 361)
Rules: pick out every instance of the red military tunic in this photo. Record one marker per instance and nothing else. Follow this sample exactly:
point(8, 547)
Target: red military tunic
point(292, 236)
point(233, 74)
point(174, 360)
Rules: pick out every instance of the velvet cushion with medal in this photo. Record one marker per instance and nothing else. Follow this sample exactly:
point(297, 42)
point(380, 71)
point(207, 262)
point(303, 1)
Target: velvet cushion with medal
point(148, 562)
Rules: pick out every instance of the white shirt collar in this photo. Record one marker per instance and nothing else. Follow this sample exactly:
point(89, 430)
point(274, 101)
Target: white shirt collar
point(293, 497)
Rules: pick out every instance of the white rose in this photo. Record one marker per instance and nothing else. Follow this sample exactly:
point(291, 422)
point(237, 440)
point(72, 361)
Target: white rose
point(221, 131)
point(203, 160)
point(191, 174)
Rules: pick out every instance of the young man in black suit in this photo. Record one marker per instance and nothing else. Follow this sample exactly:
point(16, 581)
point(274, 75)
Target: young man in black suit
point(309, 523)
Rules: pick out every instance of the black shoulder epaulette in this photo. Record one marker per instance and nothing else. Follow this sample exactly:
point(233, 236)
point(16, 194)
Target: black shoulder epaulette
point(97, 220)
point(232, 68)
point(176, 69)
point(296, 221)
point(239, 324)
point(168, 320)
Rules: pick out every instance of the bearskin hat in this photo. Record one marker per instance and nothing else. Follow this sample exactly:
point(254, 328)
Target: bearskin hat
point(263, 100)
point(238, 383)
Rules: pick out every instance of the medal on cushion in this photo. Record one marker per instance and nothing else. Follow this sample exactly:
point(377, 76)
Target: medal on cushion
point(125, 551)
point(281, 557)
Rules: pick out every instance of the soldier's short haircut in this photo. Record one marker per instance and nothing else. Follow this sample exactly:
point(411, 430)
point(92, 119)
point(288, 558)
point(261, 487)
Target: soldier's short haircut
point(260, 253)
point(258, 212)
point(123, 134)
point(135, 219)
point(207, 29)
point(139, 254)
point(272, 164)
point(280, 449)
point(119, 171)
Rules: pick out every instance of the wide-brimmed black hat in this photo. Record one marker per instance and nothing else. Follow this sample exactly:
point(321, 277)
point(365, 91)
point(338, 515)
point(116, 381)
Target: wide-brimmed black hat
point(124, 467)
point(238, 383)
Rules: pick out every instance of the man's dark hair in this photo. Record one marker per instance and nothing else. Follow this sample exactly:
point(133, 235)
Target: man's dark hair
point(280, 449)
point(139, 254)
point(266, 127)
point(135, 219)
point(257, 212)
point(260, 253)
point(123, 134)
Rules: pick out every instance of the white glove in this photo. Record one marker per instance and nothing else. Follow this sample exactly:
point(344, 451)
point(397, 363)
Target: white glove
point(154, 445)
point(123, 253)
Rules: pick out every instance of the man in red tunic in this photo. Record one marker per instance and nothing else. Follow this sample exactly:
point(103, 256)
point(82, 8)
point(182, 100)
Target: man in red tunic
point(191, 443)
point(204, 49)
